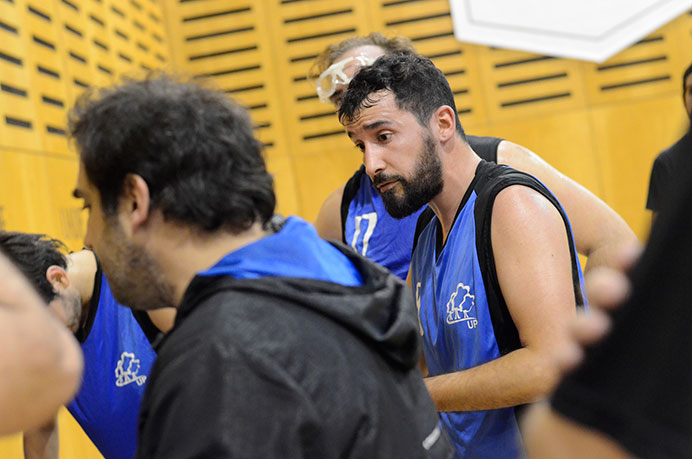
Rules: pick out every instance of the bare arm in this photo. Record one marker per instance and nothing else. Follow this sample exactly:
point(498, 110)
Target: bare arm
point(548, 435)
point(42, 443)
point(599, 232)
point(40, 362)
point(328, 221)
point(534, 272)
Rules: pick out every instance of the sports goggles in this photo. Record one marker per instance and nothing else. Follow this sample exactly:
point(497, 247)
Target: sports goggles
point(334, 76)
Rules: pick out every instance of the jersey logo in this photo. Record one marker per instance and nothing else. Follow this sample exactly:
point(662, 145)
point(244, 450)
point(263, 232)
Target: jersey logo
point(458, 309)
point(126, 370)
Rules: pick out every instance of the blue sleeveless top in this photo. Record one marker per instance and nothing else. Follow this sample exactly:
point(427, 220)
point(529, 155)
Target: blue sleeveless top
point(117, 360)
point(458, 331)
point(463, 317)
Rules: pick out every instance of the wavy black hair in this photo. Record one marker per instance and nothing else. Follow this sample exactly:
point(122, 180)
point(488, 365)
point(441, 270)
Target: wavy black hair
point(194, 147)
point(418, 87)
point(33, 254)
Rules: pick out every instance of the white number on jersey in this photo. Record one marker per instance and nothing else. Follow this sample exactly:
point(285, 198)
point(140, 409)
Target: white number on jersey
point(372, 221)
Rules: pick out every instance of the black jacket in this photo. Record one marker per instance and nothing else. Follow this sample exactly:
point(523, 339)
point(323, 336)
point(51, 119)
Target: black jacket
point(291, 368)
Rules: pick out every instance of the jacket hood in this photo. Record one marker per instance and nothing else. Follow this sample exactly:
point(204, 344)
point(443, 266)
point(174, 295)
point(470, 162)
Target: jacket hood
point(381, 311)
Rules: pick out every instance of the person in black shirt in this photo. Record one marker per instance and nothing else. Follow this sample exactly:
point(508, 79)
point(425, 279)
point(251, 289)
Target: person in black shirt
point(284, 345)
point(631, 395)
point(668, 164)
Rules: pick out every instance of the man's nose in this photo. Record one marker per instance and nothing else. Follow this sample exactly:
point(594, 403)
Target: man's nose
point(373, 160)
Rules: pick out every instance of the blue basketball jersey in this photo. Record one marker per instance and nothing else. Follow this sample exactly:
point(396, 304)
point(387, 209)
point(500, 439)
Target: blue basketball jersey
point(117, 360)
point(463, 317)
point(372, 232)
point(458, 331)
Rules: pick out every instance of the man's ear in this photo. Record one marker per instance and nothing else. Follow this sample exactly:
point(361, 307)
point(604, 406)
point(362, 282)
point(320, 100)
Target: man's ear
point(135, 200)
point(57, 277)
point(444, 123)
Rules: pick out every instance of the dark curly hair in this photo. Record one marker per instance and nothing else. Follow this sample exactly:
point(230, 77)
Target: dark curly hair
point(418, 87)
point(194, 147)
point(33, 254)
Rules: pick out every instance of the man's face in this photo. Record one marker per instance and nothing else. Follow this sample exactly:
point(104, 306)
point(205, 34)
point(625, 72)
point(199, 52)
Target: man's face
point(133, 275)
point(688, 95)
point(341, 72)
point(400, 155)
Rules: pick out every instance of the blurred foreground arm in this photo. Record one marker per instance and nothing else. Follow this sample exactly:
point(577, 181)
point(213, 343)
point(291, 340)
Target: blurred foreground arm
point(547, 434)
point(40, 362)
point(328, 221)
point(43, 443)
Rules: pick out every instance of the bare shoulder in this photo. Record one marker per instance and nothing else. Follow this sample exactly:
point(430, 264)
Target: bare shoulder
point(328, 221)
point(520, 204)
point(525, 160)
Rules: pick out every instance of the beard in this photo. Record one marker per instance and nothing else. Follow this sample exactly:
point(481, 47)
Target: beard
point(134, 276)
point(420, 189)
point(73, 310)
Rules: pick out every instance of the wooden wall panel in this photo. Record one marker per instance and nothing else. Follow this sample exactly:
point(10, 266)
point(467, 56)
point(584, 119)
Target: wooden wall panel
point(50, 51)
point(627, 137)
point(555, 106)
point(229, 43)
point(601, 124)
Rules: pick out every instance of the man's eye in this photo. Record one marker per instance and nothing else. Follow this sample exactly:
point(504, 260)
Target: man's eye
point(384, 137)
point(360, 146)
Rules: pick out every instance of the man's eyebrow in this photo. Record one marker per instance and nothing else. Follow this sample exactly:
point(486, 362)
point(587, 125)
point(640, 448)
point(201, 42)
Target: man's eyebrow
point(371, 126)
point(375, 125)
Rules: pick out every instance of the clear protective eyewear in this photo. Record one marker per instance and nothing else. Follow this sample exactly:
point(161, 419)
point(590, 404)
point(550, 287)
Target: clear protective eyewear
point(334, 76)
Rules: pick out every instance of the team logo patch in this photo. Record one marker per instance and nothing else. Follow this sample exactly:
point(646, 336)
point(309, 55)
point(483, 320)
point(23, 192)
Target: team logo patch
point(460, 305)
point(126, 370)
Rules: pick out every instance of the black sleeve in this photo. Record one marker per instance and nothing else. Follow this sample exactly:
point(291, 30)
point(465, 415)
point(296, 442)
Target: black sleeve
point(485, 147)
point(217, 402)
point(423, 220)
point(635, 386)
point(660, 177)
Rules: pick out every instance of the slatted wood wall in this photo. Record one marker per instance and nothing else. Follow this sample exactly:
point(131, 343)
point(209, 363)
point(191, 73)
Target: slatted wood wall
point(602, 124)
point(51, 51)
point(575, 114)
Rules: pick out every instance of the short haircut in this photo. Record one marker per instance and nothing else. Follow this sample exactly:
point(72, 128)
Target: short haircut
point(194, 147)
point(684, 78)
point(394, 45)
point(418, 87)
point(33, 254)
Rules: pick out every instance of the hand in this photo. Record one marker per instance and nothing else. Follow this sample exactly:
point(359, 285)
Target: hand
point(606, 289)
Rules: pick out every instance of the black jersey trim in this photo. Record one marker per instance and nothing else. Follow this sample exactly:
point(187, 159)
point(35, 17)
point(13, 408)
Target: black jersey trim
point(439, 243)
point(485, 147)
point(423, 220)
point(495, 178)
point(350, 191)
point(83, 332)
point(150, 330)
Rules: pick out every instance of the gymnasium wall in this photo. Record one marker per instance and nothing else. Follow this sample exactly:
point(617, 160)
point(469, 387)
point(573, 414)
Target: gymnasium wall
point(50, 52)
point(601, 124)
